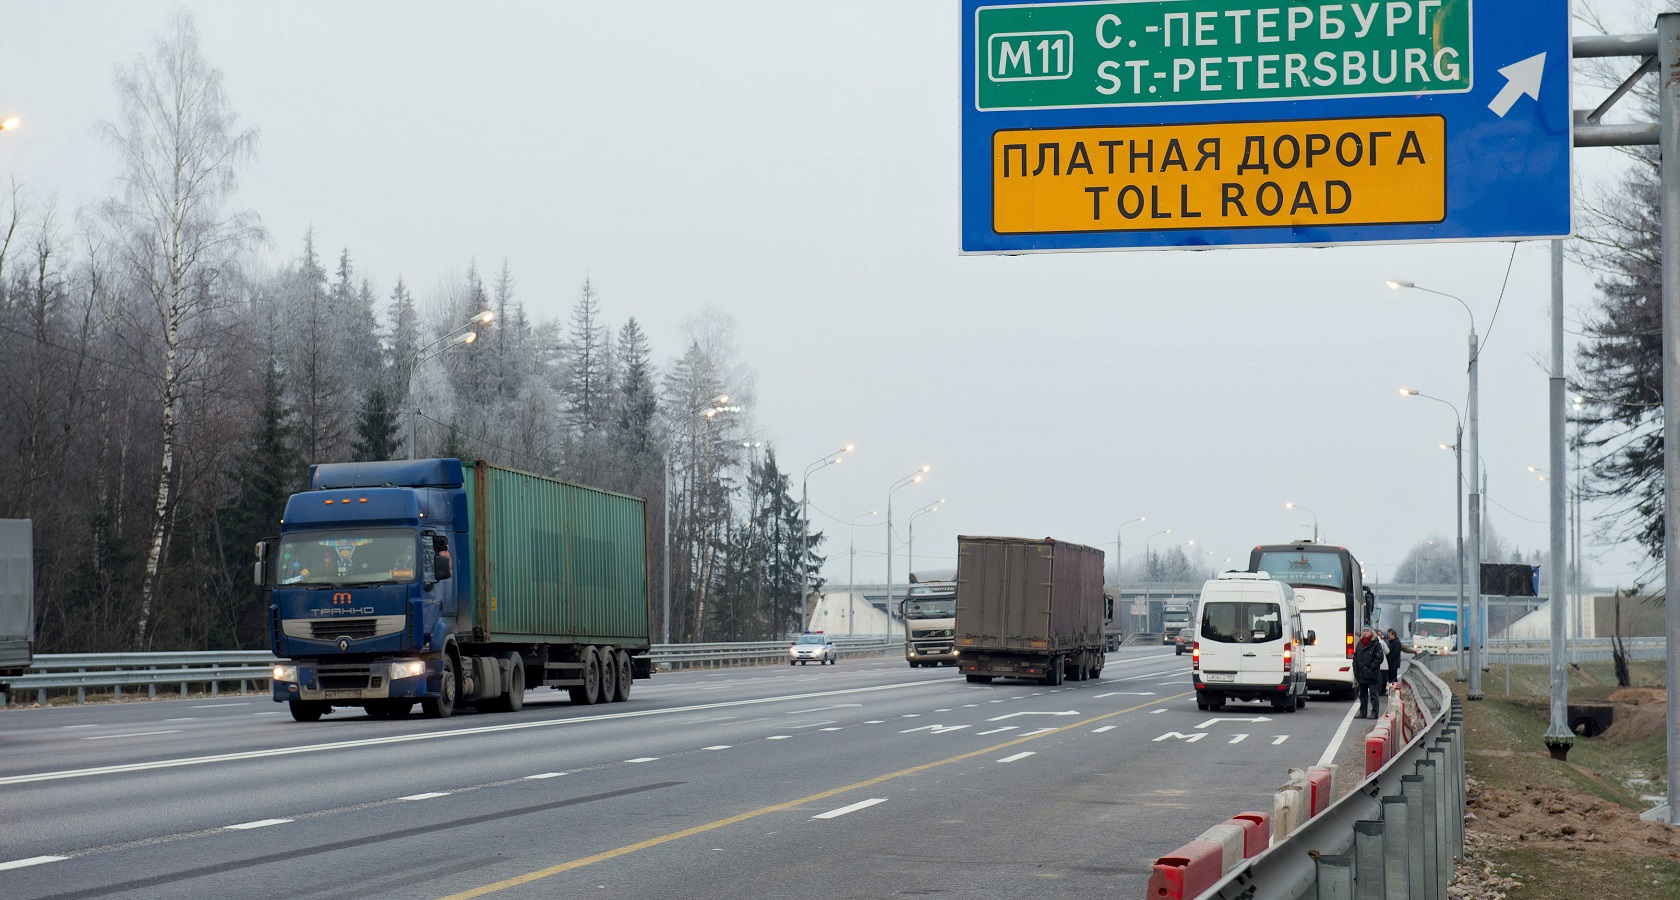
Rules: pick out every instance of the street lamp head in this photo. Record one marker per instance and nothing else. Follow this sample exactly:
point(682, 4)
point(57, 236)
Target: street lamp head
point(916, 478)
point(927, 468)
point(1445, 446)
point(1407, 392)
point(485, 316)
point(721, 398)
point(837, 460)
point(850, 447)
point(1397, 283)
point(9, 123)
point(469, 337)
point(1289, 504)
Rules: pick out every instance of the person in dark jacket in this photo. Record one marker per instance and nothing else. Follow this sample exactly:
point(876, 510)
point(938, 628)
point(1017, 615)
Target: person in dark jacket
point(1395, 648)
point(1368, 658)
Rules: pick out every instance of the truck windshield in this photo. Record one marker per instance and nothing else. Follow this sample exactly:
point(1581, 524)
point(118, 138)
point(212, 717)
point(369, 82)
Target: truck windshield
point(1434, 629)
point(367, 556)
point(941, 608)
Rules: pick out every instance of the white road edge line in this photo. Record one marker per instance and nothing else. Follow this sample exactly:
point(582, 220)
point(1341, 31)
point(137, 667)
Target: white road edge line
point(31, 861)
point(837, 813)
point(1329, 755)
point(432, 735)
point(1018, 756)
point(106, 737)
point(260, 823)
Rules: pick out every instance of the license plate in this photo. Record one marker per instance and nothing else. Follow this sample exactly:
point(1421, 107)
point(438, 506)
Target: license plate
point(343, 695)
point(1218, 676)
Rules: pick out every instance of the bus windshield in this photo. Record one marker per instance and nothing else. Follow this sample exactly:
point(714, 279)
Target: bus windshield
point(1303, 568)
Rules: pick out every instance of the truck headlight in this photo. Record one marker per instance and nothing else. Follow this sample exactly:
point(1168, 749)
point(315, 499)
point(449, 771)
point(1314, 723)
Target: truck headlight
point(407, 669)
point(285, 673)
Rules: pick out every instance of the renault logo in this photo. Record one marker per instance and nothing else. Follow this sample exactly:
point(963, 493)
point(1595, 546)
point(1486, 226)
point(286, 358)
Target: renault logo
point(341, 597)
point(343, 644)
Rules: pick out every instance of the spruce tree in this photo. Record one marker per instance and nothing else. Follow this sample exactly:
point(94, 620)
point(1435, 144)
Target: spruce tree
point(268, 472)
point(377, 426)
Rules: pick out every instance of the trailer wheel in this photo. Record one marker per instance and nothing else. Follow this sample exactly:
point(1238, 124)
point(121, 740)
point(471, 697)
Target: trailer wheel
point(308, 710)
point(443, 706)
point(514, 699)
point(609, 675)
point(590, 690)
point(626, 674)
point(1053, 672)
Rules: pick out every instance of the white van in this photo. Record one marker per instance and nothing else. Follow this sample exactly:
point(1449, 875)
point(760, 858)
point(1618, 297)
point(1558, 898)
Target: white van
point(1248, 643)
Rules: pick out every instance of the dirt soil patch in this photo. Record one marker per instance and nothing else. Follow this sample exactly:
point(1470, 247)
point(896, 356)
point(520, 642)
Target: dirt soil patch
point(1640, 713)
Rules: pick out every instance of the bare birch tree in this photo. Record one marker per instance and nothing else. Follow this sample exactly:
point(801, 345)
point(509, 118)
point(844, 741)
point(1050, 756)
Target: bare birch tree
point(181, 147)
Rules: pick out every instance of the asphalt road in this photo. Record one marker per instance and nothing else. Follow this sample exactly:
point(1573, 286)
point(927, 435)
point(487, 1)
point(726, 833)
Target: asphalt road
point(865, 779)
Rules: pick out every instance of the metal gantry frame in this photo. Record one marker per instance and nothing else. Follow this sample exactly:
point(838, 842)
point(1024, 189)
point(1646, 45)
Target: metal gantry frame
point(1658, 53)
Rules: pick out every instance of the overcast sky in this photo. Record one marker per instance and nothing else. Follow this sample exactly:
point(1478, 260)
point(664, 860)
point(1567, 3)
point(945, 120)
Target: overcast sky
point(795, 165)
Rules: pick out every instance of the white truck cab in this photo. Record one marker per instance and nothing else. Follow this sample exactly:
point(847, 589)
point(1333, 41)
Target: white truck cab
point(1249, 643)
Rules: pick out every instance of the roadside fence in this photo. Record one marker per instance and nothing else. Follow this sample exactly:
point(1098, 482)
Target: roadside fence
point(130, 674)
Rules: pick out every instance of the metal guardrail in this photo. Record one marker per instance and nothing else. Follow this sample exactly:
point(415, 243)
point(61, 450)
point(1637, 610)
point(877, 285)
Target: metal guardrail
point(1397, 832)
point(114, 672)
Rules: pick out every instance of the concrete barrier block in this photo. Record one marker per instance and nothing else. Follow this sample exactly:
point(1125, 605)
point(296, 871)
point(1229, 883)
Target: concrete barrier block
point(1287, 809)
point(1257, 831)
point(1376, 750)
point(1320, 793)
point(1229, 837)
point(1186, 872)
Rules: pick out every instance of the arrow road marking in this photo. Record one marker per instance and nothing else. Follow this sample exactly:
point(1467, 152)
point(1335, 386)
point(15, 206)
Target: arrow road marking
point(935, 729)
point(1233, 719)
point(1070, 712)
point(1520, 78)
point(996, 730)
point(1279, 739)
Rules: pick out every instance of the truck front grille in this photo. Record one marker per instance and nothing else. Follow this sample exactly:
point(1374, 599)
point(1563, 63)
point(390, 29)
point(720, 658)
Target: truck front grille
point(917, 634)
point(346, 678)
point(355, 629)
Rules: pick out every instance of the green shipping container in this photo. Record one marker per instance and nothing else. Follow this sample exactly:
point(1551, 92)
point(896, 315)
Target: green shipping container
point(556, 563)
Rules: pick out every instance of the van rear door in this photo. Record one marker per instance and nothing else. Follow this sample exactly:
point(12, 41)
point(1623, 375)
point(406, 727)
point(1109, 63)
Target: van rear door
point(1248, 631)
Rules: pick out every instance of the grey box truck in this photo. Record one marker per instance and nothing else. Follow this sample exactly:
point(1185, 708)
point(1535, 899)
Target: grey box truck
point(1029, 609)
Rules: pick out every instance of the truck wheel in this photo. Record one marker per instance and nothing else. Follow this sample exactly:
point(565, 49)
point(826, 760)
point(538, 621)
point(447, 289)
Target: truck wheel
point(1053, 672)
point(609, 675)
point(1097, 667)
point(590, 690)
point(794, 662)
point(514, 700)
point(626, 675)
point(979, 679)
point(443, 706)
point(308, 710)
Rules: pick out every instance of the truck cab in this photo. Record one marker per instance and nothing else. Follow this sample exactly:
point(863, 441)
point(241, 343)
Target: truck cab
point(930, 621)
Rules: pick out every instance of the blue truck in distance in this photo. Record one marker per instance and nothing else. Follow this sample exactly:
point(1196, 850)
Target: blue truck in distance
point(446, 582)
point(1435, 629)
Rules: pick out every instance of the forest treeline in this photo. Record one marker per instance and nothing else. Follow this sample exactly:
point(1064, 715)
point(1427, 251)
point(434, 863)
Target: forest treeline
point(164, 388)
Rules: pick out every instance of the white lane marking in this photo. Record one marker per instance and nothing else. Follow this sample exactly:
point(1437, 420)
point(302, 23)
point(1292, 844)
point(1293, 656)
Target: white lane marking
point(1174, 681)
point(935, 729)
point(814, 724)
point(1069, 712)
point(718, 747)
point(220, 705)
point(1154, 675)
point(1156, 712)
point(187, 719)
point(106, 737)
point(831, 728)
point(778, 737)
point(821, 708)
point(837, 813)
point(994, 701)
point(875, 722)
point(31, 861)
point(1235, 719)
point(1103, 729)
point(705, 719)
point(543, 775)
point(911, 716)
point(946, 709)
point(1018, 756)
point(426, 796)
point(996, 730)
point(643, 759)
point(1329, 755)
point(1125, 694)
point(93, 725)
point(260, 823)
point(1036, 731)
point(1279, 739)
point(1237, 739)
point(970, 705)
point(434, 735)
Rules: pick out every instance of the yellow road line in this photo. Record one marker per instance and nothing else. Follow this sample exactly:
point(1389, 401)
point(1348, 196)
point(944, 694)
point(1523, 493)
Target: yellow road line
point(628, 849)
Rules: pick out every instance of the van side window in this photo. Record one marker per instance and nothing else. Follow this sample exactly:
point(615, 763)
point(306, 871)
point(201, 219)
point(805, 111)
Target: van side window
point(1242, 623)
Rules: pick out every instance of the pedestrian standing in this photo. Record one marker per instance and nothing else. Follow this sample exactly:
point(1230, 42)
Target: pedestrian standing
point(1369, 656)
point(1395, 648)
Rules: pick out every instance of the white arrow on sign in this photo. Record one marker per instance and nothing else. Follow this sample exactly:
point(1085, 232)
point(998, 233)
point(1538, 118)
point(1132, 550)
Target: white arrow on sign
point(1230, 719)
point(1071, 712)
point(1520, 78)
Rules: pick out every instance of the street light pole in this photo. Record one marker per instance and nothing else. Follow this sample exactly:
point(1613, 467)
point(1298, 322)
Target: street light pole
point(904, 482)
point(1458, 495)
point(1293, 505)
point(712, 408)
point(1120, 547)
point(910, 543)
point(1148, 569)
point(851, 576)
point(805, 522)
point(462, 334)
point(1478, 615)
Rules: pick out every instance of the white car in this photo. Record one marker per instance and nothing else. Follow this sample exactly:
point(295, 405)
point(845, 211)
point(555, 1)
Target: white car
point(815, 646)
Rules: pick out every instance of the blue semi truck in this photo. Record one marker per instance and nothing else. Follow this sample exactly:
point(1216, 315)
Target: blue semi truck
point(447, 583)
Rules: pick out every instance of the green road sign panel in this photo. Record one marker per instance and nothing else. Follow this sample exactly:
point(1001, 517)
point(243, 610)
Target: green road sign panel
point(1157, 52)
